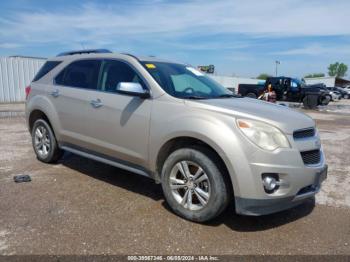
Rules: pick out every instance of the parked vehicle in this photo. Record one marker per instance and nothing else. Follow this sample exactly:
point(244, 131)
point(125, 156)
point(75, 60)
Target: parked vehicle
point(336, 95)
point(170, 122)
point(345, 92)
point(291, 90)
point(251, 90)
point(326, 97)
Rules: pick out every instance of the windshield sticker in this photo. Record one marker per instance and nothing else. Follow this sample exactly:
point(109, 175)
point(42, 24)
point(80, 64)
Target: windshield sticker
point(150, 66)
point(194, 71)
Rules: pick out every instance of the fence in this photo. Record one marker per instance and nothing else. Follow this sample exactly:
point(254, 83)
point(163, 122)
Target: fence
point(15, 74)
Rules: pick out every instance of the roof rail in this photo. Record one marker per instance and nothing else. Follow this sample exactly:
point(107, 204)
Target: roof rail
point(85, 51)
point(131, 56)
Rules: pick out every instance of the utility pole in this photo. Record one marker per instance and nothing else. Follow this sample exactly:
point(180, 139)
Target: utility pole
point(277, 63)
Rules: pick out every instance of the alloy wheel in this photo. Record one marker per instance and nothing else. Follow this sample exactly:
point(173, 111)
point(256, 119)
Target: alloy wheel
point(42, 141)
point(190, 185)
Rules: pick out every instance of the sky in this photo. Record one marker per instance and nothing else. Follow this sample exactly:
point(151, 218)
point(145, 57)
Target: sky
point(241, 38)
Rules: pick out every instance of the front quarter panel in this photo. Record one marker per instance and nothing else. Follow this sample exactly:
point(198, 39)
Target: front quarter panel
point(216, 130)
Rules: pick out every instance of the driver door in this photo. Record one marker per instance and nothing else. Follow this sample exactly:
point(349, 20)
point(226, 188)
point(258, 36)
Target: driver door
point(120, 124)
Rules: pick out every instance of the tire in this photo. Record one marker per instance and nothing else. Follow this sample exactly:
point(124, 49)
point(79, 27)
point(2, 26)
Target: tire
point(45, 147)
point(325, 100)
point(251, 95)
point(214, 189)
point(310, 101)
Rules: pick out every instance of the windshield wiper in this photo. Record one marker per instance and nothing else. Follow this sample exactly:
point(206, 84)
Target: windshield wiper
point(194, 97)
point(228, 96)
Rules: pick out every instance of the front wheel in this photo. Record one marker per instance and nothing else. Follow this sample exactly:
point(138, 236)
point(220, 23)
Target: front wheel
point(194, 186)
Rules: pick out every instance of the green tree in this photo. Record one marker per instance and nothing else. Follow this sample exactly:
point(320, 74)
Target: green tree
point(263, 76)
point(337, 69)
point(314, 75)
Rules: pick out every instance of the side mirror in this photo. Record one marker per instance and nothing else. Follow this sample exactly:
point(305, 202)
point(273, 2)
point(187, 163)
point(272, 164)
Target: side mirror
point(133, 89)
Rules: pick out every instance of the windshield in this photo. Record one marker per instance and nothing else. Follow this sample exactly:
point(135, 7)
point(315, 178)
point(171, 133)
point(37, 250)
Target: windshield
point(299, 82)
point(183, 81)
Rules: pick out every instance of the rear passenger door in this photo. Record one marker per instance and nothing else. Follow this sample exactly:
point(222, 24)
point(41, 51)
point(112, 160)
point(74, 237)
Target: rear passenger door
point(73, 90)
point(121, 124)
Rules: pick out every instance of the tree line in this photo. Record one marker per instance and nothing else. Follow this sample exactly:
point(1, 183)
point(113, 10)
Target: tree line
point(336, 70)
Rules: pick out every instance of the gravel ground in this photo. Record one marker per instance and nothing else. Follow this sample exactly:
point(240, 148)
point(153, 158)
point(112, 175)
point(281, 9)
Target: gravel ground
point(79, 206)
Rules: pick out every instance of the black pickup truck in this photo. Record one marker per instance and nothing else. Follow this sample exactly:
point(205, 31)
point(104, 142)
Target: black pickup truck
point(288, 89)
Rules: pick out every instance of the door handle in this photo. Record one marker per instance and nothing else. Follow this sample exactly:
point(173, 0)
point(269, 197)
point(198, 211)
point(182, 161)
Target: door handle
point(96, 103)
point(55, 93)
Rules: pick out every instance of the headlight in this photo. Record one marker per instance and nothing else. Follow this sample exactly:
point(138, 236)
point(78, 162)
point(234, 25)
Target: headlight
point(263, 135)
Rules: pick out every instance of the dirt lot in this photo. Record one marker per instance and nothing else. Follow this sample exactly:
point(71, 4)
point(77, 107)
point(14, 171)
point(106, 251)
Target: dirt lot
point(83, 207)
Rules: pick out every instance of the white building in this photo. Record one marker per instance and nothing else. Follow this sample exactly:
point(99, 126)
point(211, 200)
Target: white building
point(329, 81)
point(232, 82)
point(16, 73)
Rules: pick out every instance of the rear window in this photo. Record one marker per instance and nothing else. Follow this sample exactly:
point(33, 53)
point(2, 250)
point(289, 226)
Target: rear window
point(47, 67)
point(82, 74)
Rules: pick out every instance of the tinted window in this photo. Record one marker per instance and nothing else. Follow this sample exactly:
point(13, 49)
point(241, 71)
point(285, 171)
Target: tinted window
point(47, 67)
point(83, 74)
point(114, 72)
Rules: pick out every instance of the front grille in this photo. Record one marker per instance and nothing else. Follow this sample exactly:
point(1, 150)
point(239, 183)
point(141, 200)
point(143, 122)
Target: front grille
point(303, 133)
point(311, 157)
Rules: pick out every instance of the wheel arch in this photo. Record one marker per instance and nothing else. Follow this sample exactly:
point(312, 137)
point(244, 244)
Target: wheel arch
point(35, 115)
point(192, 142)
point(40, 106)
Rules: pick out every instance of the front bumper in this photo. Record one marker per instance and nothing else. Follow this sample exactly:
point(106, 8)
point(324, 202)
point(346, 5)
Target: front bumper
point(297, 173)
point(257, 207)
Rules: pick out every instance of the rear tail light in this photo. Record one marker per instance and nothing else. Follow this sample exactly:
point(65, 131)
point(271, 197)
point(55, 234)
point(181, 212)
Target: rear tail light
point(28, 89)
point(238, 90)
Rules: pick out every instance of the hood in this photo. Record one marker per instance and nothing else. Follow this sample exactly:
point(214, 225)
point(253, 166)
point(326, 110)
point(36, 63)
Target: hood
point(286, 119)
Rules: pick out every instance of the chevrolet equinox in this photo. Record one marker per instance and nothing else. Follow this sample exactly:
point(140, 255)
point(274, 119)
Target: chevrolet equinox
point(168, 121)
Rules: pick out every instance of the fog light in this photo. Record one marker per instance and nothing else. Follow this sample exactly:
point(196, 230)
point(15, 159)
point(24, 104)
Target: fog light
point(270, 182)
